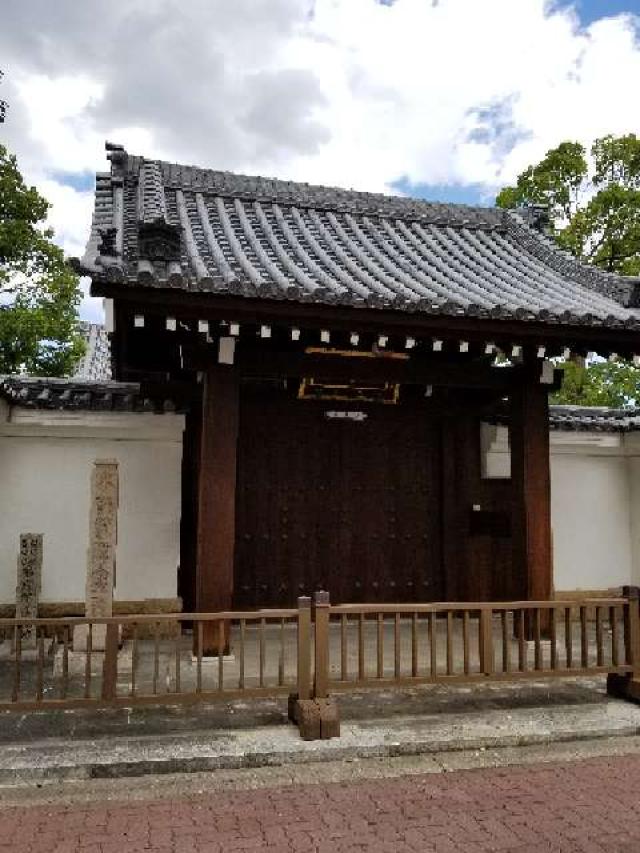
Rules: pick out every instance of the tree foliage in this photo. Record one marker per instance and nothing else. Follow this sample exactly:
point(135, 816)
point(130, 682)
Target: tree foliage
point(615, 384)
point(554, 182)
point(39, 293)
point(593, 201)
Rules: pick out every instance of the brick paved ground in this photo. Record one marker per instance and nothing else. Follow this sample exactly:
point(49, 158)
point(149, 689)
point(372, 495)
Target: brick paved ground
point(583, 807)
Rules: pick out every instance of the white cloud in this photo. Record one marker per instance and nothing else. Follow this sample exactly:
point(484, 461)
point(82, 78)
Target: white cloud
point(69, 214)
point(349, 92)
point(91, 307)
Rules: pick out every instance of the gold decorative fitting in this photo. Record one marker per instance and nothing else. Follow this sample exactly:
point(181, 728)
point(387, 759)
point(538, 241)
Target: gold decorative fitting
point(376, 392)
point(354, 353)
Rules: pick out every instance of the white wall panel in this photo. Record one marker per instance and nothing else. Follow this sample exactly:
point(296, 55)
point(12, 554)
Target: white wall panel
point(45, 485)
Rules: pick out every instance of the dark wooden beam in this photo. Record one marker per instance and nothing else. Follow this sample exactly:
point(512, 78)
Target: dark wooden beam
point(376, 369)
point(531, 489)
point(453, 538)
point(217, 498)
point(215, 307)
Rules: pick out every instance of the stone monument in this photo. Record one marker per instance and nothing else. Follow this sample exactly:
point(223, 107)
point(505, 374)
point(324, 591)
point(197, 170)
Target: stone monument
point(29, 585)
point(101, 554)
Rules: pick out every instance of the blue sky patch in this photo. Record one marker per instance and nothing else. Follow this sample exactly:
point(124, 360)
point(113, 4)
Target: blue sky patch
point(476, 194)
point(588, 10)
point(592, 10)
point(79, 181)
point(495, 127)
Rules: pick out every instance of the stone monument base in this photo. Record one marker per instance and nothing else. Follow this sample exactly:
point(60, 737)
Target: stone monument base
point(27, 653)
point(212, 660)
point(81, 635)
point(77, 662)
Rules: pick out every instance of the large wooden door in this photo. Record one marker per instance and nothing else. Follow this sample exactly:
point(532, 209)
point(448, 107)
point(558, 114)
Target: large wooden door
point(349, 506)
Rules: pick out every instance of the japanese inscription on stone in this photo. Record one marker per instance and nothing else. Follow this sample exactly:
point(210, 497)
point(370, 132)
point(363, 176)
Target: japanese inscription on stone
point(29, 582)
point(101, 554)
point(103, 533)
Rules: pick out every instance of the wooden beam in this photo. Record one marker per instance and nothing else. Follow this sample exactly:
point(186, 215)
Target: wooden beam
point(217, 498)
point(258, 311)
point(376, 369)
point(531, 480)
point(453, 564)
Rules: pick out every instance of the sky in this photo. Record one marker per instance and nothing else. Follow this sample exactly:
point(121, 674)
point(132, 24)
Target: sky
point(443, 99)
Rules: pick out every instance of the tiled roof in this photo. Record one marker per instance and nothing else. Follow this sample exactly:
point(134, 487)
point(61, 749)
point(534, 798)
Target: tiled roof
point(158, 224)
point(96, 362)
point(45, 393)
point(82, 395)
point(594, 418)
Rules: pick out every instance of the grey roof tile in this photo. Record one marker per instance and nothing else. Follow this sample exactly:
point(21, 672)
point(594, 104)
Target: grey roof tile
point(96, 362)
point(160, 224)
point(594, 418)
point(84, 395)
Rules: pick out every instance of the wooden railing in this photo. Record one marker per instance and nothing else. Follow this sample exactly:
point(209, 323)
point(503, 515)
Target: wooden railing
point(128, 660)
point(403, 644)
point(313, 650)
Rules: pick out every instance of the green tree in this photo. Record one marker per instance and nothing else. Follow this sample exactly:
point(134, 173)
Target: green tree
point(594, 213)
point(615, 384)
point(39, 293)
point(556, 182)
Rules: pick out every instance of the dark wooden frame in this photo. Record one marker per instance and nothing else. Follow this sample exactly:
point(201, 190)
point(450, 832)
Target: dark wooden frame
point(193, 305)
point(217, 496)
point(214, 439)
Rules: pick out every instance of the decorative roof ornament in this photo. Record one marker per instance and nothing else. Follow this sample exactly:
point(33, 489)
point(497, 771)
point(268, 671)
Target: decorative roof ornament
point(117, 155)
point(107, 241)
point(159, 242)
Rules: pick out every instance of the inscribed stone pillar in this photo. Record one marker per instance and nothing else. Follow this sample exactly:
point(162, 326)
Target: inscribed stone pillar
point(29, 584)
point(101, 556)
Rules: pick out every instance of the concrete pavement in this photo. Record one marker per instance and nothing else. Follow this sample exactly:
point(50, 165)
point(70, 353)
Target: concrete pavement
point(382, 724)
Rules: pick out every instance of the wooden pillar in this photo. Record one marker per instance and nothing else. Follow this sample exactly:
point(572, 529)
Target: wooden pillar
point(217, 499)
point(454, 586)
point(531, 482)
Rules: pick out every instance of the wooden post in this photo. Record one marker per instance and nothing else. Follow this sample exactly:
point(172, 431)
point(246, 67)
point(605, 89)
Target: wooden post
point(318, 717)
point(304, 647)
point(531, 484)
point(302, 696)
point(486, 642)
point(627, 686)
point(327, 709)
point(217, 500)
point(110, 664)
point(321, 608)
point(632, 628)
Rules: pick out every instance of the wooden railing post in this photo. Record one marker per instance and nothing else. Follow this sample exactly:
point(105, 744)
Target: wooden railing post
point(110, 664)
point(486, 642)
point(316, 717)
point(321, 608)
point(628, 686)
point(632, 627)
point(304, 647)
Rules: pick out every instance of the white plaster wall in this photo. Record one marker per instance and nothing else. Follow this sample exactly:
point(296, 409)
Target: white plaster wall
point(45, 469)
point(590, 512)
point(45, 486)
point(595, 504)
point(632, 442)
